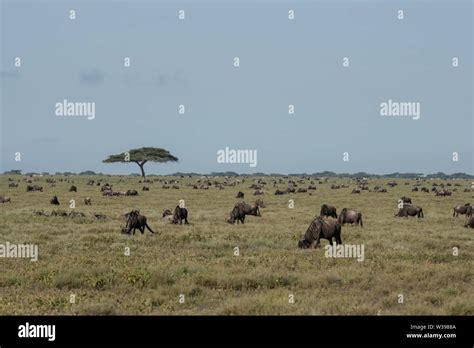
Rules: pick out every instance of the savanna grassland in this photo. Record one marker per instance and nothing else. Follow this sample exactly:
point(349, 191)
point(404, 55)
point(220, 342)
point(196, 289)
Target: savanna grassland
point(85, 257)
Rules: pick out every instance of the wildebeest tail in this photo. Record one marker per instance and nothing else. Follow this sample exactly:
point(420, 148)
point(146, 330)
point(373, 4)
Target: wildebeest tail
point(149, 228)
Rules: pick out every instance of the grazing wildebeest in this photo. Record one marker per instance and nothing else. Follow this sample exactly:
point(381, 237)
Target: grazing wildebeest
point(30, 188)
point(443, 193)
point(415, 189)
point(105, 187)
point(349, 216)
point(131, 193)
point(12, 184)
point(242, 209)
point(470, 222)
point(291, 189)
point(145, 188)
point(328, 210)
point(321, 228)
point(302, 190)
point(424, 189)
point(279, 192)
point(463, 209)
point(87, 201)
point(311, 187)
point(167, 214)
point(355, 191)
point(179, 215)
point(100, 216)
point(258, 192)
point(410, 210)
point(73, 189)
point(54, 200)
point(135, 220)
point(5, 199)
point(405, 199)
point(240, 194)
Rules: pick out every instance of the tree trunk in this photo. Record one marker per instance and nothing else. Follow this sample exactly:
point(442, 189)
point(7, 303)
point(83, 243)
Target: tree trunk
point(141, 164)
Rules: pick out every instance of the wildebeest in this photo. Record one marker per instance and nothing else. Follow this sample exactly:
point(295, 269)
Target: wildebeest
point(12, 184)
point(242, 209)
point(470, 222)
point(410, 210)
point(131, 193)
point(279, 192)
point(73, 189)
point(355, 191)
point(240, 194)
point(87, 201)
point(145, 188)
point(257, 193)
point(405, 199)
point(54, 200)
point(135, 220)
point(321, 228)
point(33, 188)
point(179, 215)
point(5, 199)
point(105, 187)
point(328, 210)
point(167, 214)
point(350, 216)
point(443, 193)
point(462, 209)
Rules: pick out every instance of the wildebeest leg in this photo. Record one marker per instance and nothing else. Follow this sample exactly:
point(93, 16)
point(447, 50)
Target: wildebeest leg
point(338, 239)
point(134, 231)
point(186, 221)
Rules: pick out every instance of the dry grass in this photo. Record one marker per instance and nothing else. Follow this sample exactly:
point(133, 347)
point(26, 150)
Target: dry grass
point(85, 257)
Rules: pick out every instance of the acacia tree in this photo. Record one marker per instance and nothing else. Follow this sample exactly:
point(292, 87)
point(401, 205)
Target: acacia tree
point(142, 156)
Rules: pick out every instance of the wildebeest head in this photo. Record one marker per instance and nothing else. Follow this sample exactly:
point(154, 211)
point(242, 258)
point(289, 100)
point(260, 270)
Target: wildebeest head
point(231, 218)
point(131, 221)
point(166, 213)
point(303, 244)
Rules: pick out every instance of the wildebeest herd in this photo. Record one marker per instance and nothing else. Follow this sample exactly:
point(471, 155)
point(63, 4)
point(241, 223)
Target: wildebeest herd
point(325, 225)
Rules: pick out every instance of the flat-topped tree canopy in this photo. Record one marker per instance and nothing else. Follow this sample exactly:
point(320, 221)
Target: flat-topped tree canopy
point(142, 156)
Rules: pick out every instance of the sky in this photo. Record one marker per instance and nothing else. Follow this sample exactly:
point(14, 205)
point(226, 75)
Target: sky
point(190, 62)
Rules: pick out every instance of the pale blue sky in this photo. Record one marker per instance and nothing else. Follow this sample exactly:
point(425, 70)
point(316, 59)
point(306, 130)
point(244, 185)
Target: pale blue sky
point(282, 62)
